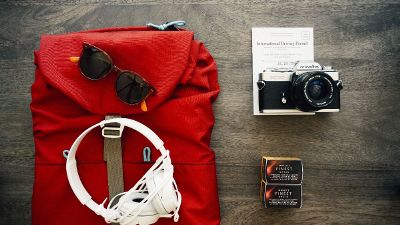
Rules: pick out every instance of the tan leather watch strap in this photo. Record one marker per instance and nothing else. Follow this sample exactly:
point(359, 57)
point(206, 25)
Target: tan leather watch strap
point(113, 157)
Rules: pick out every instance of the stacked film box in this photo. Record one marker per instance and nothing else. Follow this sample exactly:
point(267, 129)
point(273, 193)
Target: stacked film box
point(281, 179)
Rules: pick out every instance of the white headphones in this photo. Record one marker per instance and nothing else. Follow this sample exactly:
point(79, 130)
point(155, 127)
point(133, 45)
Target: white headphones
point(155, 195)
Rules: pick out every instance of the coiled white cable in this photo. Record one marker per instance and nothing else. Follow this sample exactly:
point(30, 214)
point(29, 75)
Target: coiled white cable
point(125, 217)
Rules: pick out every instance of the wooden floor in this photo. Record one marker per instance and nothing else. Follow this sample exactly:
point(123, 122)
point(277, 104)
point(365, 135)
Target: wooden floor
point(351, 159)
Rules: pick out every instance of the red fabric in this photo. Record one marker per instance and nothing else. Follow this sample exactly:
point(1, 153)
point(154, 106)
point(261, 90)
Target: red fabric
point(64, 103)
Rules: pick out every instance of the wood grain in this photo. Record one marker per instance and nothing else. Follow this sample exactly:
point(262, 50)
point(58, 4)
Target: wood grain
point(351, 169)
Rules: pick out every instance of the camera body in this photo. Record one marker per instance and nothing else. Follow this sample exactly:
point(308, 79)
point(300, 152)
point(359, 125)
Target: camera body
point(303, 90)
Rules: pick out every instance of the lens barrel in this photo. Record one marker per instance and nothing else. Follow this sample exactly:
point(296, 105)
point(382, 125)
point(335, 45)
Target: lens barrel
point(312, 91)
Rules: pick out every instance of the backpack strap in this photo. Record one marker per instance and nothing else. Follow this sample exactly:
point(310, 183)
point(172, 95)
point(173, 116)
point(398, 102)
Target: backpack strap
point(113, 156)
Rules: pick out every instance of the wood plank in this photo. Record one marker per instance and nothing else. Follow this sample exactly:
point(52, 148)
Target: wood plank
point(351, 169)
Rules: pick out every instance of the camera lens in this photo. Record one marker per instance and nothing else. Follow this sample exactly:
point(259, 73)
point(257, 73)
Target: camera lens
point(312, 91)
point(317, 89)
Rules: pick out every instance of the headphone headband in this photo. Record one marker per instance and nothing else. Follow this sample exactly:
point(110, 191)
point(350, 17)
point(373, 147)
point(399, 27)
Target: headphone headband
point(72, 170)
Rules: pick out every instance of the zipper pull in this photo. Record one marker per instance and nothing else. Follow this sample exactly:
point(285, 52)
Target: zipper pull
point(146, 154)
point(168, 25)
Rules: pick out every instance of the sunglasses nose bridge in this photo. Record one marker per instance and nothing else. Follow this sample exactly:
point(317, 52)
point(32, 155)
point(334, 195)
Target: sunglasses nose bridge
point(116, 69)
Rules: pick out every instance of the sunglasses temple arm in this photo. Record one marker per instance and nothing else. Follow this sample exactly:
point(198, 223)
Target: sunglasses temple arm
point(74, 59)
point(143, 106)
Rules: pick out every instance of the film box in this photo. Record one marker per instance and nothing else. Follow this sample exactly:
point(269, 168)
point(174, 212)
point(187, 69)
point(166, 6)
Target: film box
point(281, 195)
point(281, 179)
point(284, 170)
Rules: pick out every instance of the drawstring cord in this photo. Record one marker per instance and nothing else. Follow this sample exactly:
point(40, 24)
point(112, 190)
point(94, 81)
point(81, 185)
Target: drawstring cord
point(165, 26)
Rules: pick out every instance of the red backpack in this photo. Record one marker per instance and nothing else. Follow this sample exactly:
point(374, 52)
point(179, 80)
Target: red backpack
point(65, 103)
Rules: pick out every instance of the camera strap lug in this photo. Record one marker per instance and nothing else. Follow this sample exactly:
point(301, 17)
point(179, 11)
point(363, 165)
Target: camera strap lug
point(339, 84)
point(260, 84)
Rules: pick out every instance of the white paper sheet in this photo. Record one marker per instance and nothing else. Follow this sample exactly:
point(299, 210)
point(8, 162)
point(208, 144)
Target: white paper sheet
point(279, 48)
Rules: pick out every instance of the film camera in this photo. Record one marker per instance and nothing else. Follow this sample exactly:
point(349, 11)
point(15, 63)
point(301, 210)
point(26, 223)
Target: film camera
point(305, 89)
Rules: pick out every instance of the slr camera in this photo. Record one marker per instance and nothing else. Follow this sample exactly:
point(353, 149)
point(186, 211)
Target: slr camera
point(305, 89)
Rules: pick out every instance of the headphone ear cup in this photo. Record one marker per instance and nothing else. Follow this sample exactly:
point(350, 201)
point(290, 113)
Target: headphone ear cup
point(166, 200)
point(148, 215)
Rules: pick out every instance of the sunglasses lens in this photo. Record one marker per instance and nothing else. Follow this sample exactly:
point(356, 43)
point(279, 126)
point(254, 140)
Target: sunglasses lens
point(131, 88)
point(93, 63)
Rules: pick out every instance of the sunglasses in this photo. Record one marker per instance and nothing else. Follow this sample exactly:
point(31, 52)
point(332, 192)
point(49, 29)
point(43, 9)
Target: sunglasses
point(130, 87)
